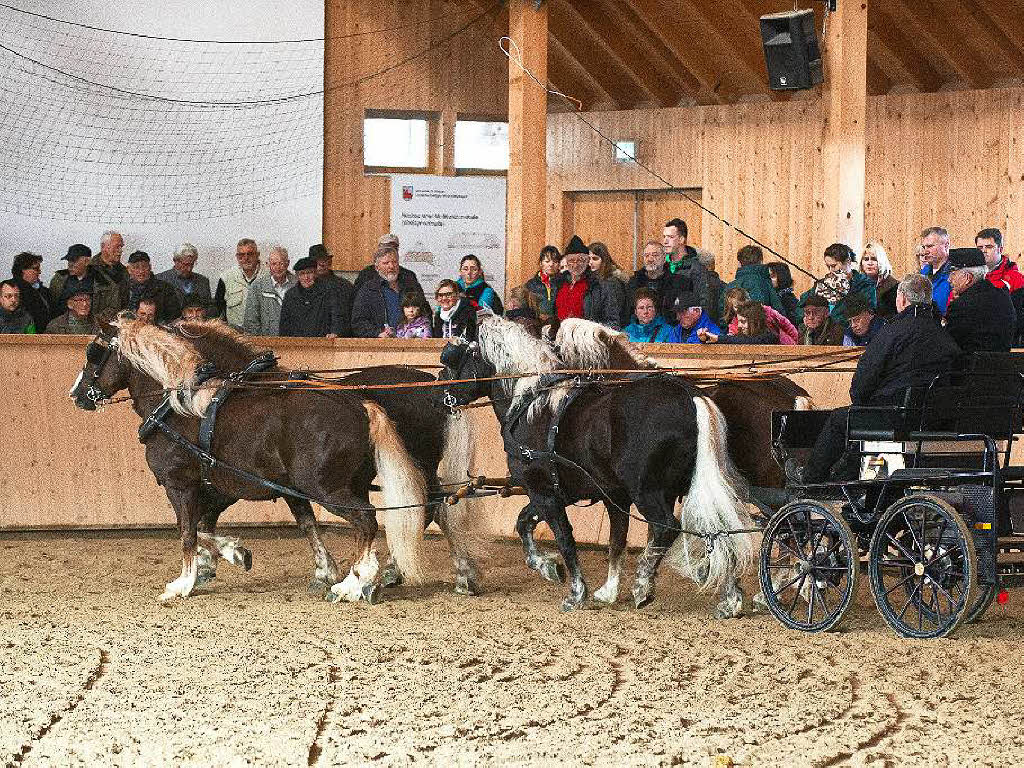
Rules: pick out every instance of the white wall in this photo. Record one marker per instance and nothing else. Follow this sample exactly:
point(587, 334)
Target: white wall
point(293, 220)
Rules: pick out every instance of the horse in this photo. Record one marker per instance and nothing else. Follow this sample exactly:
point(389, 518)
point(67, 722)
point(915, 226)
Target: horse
point(325, 446)
point(646, 442)
point(440, 444)
point(746, 405)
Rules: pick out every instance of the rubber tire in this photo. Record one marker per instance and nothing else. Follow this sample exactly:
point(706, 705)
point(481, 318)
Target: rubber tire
point(849, 550)
point(983, 603)
point(970, 576)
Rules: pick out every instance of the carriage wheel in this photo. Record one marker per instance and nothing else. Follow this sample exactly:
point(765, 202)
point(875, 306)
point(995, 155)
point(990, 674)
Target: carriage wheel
point(983, 603)
point(923, 567)
point(809, 566)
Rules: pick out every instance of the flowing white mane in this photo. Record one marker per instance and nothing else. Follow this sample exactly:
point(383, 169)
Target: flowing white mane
point(510, 348)
point(584, 344)
point(168, 359)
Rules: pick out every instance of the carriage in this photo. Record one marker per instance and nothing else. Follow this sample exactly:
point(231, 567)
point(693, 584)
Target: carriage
point(932, 518)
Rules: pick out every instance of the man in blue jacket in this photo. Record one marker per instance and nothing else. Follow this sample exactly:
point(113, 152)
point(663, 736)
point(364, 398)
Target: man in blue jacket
point(935, 243)
point(692, 318)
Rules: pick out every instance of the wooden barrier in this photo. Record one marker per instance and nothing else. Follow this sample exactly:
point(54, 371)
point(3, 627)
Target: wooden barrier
point(71, 469)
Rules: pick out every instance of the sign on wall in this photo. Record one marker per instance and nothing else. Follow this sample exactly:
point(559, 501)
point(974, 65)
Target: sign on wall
point(440, 219)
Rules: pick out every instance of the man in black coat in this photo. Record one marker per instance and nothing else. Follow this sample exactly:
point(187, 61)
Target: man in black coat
point(908, 352)
point(311, 308)
point(377, 307)
point(653, 276)
point(345, 292)
point(35, 297)
point(981, 318)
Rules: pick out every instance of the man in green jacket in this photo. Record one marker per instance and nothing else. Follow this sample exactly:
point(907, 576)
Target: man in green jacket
point(753, 277)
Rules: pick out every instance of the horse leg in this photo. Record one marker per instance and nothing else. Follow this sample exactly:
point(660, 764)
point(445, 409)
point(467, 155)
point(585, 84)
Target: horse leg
point(325, 570)
point(558, 520)
point(467, 578)
point(185, 501)
point(363, 580)
point(657, 509)
point(544, 563)
point(212, 547)
point(619, 520)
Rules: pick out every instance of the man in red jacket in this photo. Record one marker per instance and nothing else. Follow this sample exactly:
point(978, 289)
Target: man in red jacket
point(1003, 273)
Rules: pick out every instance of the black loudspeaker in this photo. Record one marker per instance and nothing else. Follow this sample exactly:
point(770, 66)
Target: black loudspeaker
point(791, 50)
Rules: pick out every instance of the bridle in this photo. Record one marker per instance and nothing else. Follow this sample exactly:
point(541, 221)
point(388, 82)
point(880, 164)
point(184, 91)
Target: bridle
point(459, 353)
point(97, 353)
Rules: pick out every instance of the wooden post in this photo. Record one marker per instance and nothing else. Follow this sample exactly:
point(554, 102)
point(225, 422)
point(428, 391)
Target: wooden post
point(527, 139)
point(845, 111)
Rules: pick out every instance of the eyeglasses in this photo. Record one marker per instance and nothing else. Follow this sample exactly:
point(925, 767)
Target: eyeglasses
point(445, 295)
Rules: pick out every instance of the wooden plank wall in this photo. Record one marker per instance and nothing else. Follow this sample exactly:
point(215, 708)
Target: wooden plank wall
point(68, 468)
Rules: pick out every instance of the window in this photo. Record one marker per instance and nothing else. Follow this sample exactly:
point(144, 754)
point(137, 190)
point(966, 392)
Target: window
point(625, 151)
point(481, 145)
point(394, 142)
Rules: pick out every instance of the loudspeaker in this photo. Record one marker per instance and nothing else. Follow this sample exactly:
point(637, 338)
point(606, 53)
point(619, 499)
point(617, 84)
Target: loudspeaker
point(791, 50)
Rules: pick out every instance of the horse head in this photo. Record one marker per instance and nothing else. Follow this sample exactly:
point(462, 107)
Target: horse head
point(104, 373)
point(464, 363)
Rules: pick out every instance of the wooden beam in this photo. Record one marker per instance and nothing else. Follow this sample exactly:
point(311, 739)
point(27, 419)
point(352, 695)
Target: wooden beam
point(843, 145)
point(878, 81)
point(891, 35)
point(997, 21)
point(565, 70)
point(526, 196)
point(933, 34)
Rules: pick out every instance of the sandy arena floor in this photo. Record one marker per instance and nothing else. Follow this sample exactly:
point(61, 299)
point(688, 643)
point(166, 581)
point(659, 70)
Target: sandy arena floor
point(254, 671)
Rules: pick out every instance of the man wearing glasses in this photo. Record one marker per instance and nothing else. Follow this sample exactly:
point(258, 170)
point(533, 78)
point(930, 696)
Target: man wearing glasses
point(377, 308)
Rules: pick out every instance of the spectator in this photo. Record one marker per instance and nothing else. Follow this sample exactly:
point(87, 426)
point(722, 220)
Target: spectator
point(782, 282)
point(981, 317)
point(454, 315)
point(35, 297)
point(110, 278)
point(716, 287)
point(183, 279)
point(389, 242)
point(475, 288)
point(1003, 273)
point(863, 324)
point(309, 308)
point(935, 244)
point(544, 285)
point(755, 278)
point(377, 309)
point(579, 291)
point(344, 291)
point(234, 283)
point(819, 327)
point(686, 273)
point(416, 320)
point(266, 295)
point(839, 259)
point(921, 255)
point(777, 322)
point(78, 319)
point(874, 264)
point(194, 309)
point(751, 328)
point(610, 275)
point(146, 311)
point(649, 324)
point(653, 277)
point(519, 309)
point(692, 320)
point(144, 284)
point(13, 319)
point(78, 275)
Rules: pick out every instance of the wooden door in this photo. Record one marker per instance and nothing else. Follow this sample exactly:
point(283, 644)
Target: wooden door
point(603, 216)
point(654, 208)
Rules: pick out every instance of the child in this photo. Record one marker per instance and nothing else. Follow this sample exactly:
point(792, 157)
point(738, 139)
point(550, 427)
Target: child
point(416, 324)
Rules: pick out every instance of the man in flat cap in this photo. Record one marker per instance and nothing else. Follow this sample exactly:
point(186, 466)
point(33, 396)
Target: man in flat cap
point(143, 284)
point(981, 317)
point(309, 308)
point(79, 274)
point(344, 291)
point(78, 319)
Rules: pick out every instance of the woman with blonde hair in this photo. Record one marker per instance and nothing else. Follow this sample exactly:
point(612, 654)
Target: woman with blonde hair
point(874, 263)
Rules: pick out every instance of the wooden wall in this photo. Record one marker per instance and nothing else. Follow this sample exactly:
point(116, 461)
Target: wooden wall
point(68, 468)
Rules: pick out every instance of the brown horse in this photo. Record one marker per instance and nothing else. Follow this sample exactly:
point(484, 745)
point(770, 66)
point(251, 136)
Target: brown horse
point(747, 406)
point(326, 446)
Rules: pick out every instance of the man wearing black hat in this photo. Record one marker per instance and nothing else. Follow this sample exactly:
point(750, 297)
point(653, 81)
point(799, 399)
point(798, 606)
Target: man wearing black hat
point(145, 285)
point(981, 317)
point(78, 275)
point(818, 326)
point(35, 297)
point(344, 290)
point(309, 309)
point(579, 292)
point(78, 319)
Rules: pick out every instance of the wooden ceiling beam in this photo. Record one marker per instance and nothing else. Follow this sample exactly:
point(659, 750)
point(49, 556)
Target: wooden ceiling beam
point(578, 82)
point(996, 20)
point(878, 81)
point(924, 76)
point(691, 82)
point(603, 62)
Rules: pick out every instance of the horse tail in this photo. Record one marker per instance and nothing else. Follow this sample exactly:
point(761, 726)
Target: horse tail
point(462, 519)
point(402, 485)
point(713, 504)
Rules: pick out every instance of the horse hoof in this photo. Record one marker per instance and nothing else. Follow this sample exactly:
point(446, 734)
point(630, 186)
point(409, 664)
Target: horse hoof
point(333, 597)
point(372, 593)
point(643, 599)
point(758, 604)
point(729, 609)
point(606, 595)
point(571, 604)
point(391, 577)
point(318, 588)
point(246, 559)
point(205, 576)
point(469, 587)
point(552, 570)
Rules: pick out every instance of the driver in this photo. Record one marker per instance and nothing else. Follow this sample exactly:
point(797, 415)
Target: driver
point(908, 352)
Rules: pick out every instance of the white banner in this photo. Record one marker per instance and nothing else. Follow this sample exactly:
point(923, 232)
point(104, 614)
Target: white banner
point(440, 219)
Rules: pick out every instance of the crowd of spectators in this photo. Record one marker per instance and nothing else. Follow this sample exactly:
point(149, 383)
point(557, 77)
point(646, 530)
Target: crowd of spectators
point(675, 296)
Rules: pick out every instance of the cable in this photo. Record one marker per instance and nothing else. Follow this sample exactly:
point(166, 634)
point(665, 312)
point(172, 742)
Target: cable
point(578, 112)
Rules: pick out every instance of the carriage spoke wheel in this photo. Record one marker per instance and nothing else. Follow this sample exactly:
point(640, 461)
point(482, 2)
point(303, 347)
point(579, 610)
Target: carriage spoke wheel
point(923, 567)
point(809, 566)
point(984, 601)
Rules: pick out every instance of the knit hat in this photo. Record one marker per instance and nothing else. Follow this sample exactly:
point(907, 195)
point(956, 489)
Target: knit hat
point(138, 256)
point(576, 245)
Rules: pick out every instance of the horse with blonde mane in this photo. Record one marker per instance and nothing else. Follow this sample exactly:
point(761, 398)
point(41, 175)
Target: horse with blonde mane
point(647, 442)
point(324, 446)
